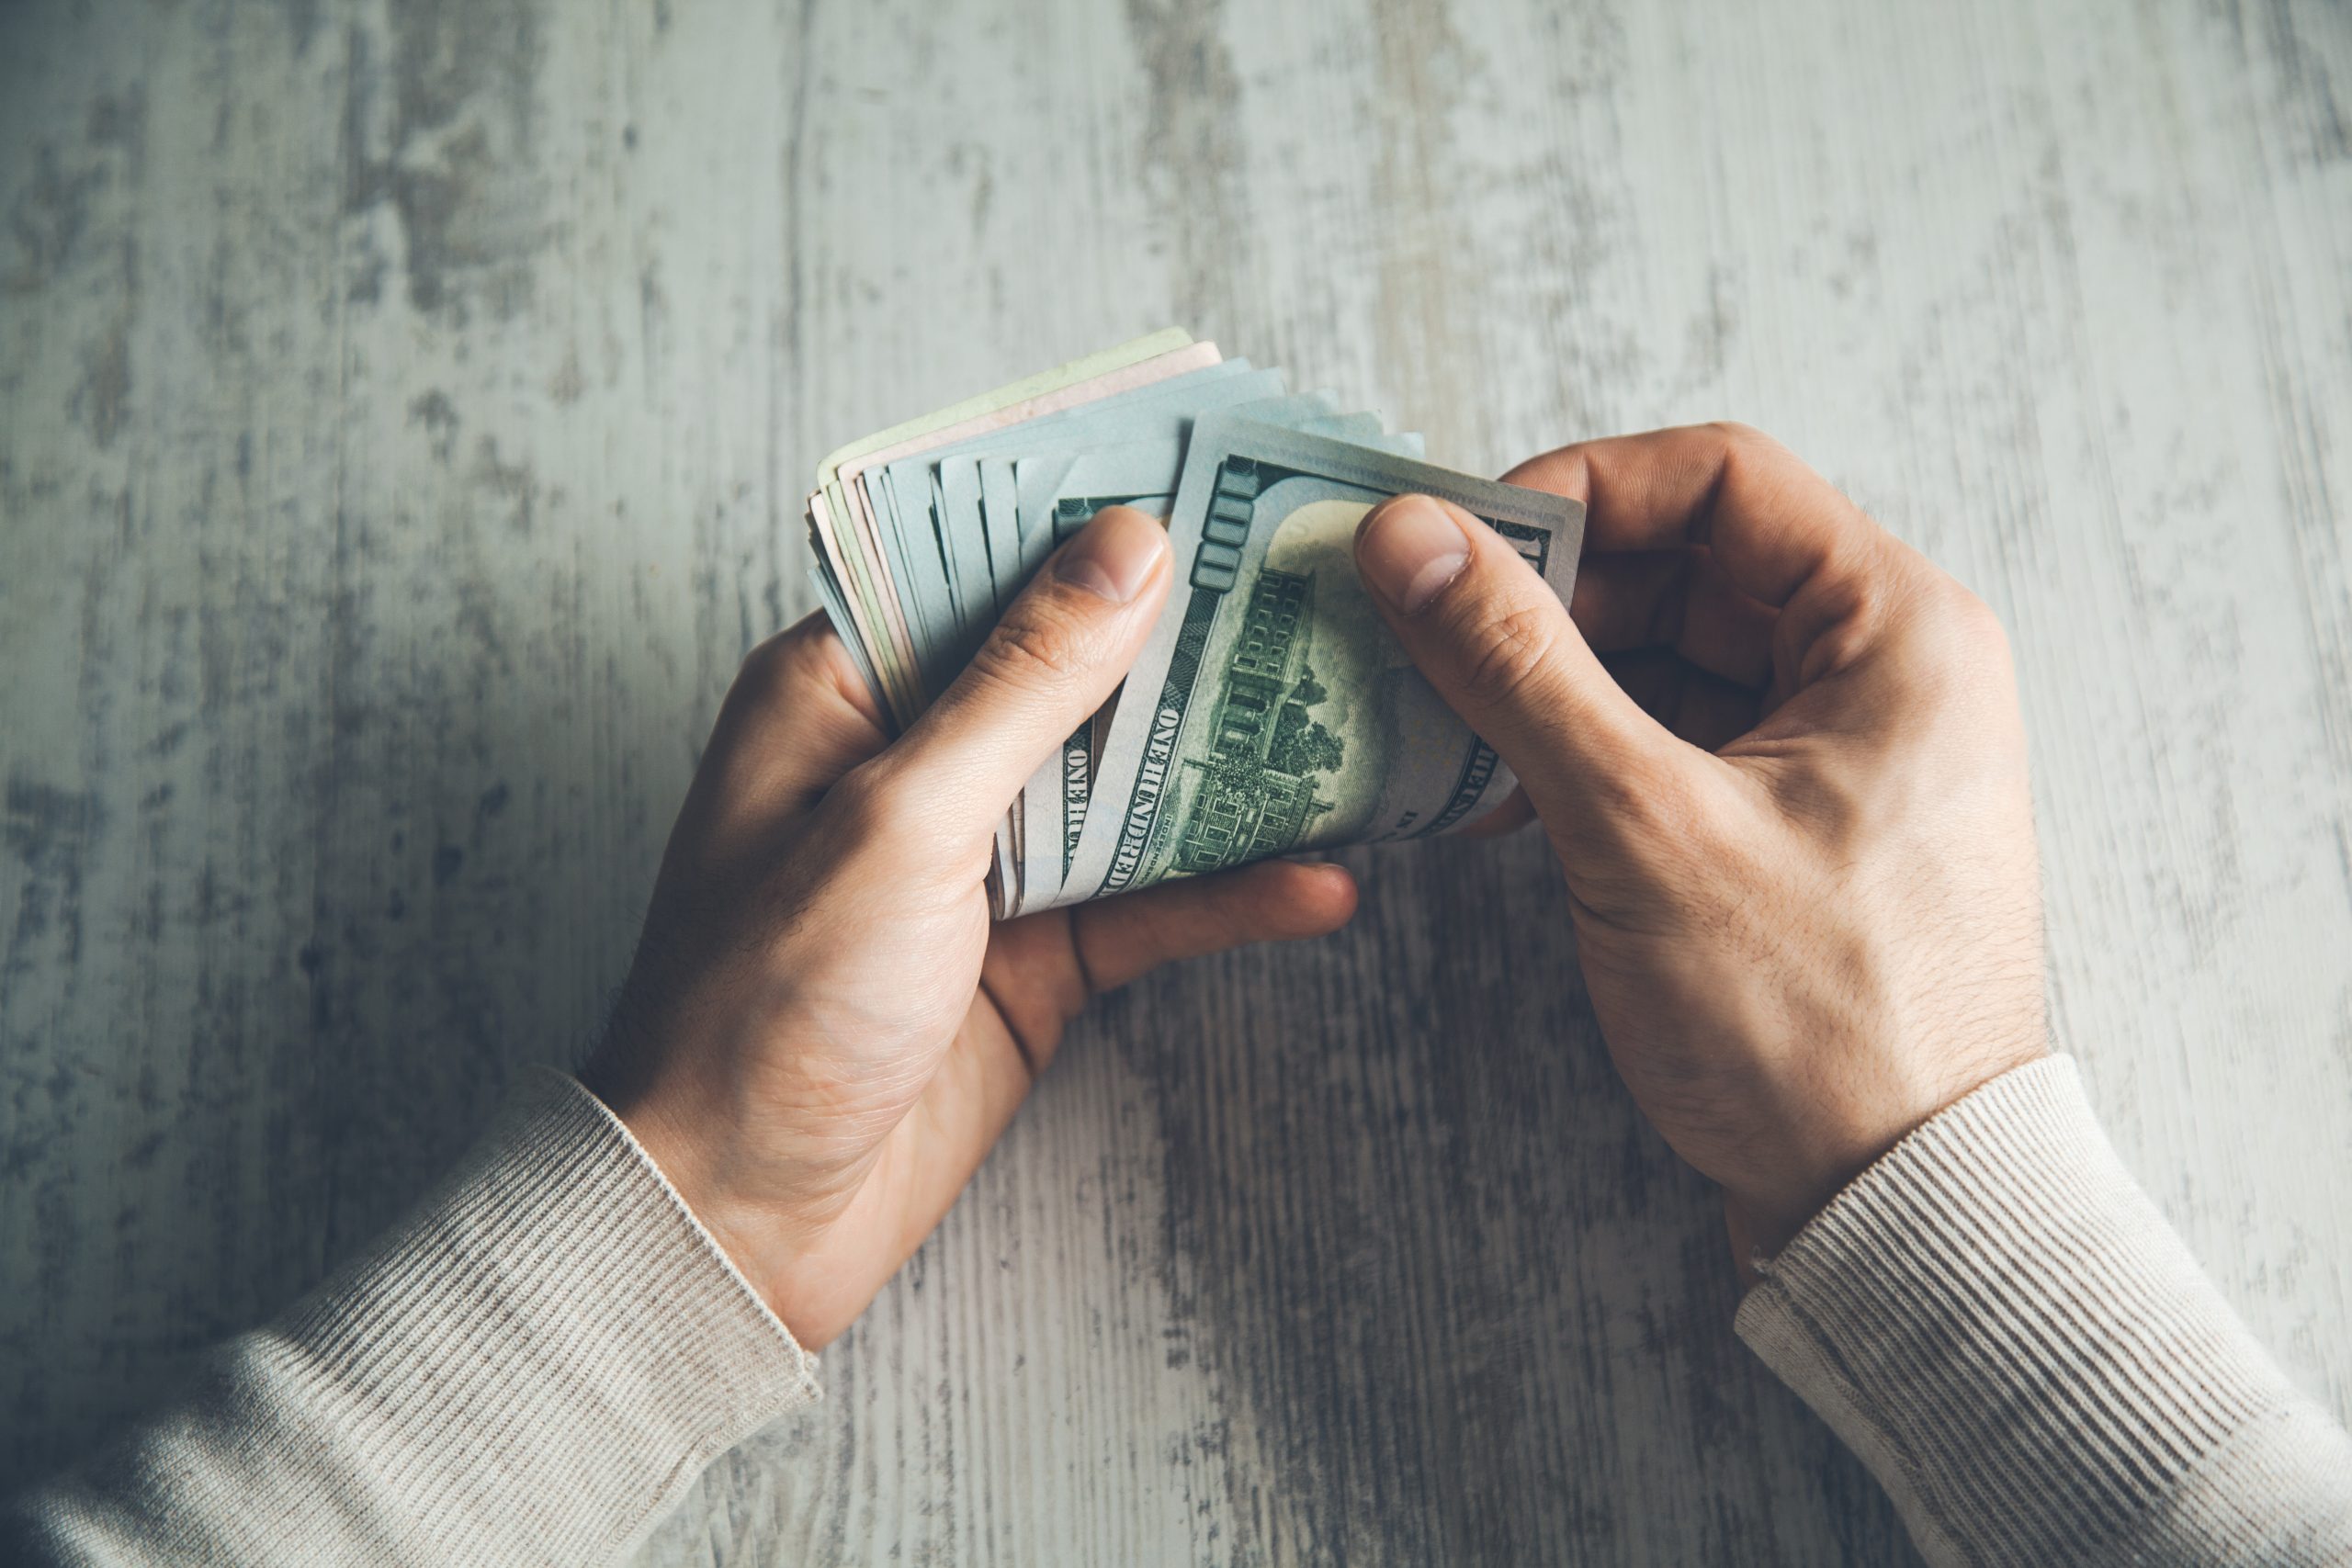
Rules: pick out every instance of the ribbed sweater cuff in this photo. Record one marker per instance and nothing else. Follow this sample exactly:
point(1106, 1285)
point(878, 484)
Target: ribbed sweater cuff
point(2000, 1324)
point(532, 1368)
point(555, 1342)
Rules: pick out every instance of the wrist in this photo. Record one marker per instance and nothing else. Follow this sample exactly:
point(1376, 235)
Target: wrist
point(765, 1241)
point(1765, 1215)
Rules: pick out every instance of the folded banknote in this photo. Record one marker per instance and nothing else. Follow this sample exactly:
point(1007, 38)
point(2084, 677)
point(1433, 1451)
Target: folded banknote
point(1270, 712)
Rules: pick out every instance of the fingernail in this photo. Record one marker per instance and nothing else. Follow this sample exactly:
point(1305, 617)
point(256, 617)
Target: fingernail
point(1409, 547)
point(1113, 555)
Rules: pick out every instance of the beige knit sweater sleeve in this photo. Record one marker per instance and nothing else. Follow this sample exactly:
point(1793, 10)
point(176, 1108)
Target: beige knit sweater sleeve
point(532, 1369)
point(536, 1366)
point(2000, 1322)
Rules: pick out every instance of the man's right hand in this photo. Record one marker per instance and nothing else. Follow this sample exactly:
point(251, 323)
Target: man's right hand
point(1779, 755)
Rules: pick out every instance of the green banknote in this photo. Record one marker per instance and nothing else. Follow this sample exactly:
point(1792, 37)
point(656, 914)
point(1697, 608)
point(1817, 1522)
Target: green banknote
point(1272, 711)
point(926, 532)
point(1142, 474)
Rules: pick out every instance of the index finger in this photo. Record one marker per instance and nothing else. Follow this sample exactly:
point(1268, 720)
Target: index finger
point(1772, 522)
point(798, 717)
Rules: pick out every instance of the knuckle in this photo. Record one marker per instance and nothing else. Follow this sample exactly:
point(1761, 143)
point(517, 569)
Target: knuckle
point(1951, 648)
point(767, 666)
point(1514, 649)
point(870, 804)
point(1978, 627)
point(1773, 479)
point(1741, 439)
point(1735, 432)
point(782, 660)
point(1036, 647)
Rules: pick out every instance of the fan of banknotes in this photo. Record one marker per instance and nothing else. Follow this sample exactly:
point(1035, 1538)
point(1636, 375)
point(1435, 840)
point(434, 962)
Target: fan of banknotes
point(1270, 712)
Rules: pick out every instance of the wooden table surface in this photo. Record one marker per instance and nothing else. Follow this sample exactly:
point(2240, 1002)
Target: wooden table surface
point(404, 415)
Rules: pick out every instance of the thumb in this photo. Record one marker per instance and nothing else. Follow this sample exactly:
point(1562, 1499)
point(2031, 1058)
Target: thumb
point(1055, 657)
point(1495, 643)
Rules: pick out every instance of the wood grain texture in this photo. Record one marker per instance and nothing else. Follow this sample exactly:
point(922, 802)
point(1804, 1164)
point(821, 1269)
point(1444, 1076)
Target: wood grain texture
point(403, 412)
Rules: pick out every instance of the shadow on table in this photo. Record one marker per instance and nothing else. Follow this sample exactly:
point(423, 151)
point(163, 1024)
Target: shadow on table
point(372, 900)
point(1477, 1310)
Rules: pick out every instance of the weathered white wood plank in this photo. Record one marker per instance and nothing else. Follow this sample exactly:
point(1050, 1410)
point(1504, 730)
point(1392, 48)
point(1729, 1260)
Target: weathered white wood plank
point(403, 415)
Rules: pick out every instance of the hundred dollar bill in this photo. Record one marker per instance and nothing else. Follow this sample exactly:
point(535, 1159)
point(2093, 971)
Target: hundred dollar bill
point(959, 560)
point(1272, 711)
point(1052, 810)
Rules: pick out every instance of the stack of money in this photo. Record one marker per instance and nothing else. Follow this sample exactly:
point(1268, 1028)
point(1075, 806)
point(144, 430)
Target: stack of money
point(1270, 711)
